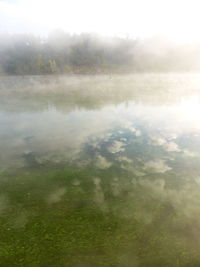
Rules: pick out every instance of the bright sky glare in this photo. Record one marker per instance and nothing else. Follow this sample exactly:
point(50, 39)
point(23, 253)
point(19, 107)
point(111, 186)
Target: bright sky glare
point(176, 19)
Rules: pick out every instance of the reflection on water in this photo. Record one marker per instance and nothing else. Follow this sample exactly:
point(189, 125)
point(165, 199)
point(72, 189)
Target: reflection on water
point(100, 171)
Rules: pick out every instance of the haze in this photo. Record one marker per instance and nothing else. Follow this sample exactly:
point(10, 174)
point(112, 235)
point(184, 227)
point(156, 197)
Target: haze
point(99, 133)
point(176, 19)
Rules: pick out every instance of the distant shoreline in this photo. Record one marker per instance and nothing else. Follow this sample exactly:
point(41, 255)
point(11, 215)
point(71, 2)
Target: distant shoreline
point(100, 73)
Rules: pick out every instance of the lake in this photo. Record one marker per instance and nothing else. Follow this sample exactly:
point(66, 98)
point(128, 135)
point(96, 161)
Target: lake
point(100, 170)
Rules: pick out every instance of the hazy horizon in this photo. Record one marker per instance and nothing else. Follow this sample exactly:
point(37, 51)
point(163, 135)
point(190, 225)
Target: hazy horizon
point(176, 20)
point(99, 133)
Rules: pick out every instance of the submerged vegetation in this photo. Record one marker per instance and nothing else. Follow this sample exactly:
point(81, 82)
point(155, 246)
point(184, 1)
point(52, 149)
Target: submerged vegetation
point(90, 217)
point(100, 171)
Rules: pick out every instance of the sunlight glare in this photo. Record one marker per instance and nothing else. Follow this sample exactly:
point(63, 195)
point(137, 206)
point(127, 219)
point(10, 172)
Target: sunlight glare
point(175, 19)
point(190, 108)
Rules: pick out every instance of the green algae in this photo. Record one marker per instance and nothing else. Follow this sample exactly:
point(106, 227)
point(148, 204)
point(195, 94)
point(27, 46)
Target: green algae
point(132, 228)
point(90, 179)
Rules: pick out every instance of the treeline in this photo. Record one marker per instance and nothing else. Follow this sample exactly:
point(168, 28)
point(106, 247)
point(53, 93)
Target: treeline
point(89, 53)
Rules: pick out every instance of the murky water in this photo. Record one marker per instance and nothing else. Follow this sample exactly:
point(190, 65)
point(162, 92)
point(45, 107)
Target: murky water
point(100, 171)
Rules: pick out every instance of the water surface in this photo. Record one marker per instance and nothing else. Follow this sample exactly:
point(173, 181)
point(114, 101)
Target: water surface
point(100, 170)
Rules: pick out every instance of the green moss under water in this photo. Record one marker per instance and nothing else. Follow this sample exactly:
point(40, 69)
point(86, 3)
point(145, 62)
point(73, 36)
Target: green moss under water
point(75, 217)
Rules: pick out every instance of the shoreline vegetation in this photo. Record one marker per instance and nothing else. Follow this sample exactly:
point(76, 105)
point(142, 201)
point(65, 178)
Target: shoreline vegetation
point(81, 71)
point(61, 53)
point(107, 72)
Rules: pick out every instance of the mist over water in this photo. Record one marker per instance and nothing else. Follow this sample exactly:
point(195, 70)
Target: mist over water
point(100, 170)
point(91, 53)
point(99, 133)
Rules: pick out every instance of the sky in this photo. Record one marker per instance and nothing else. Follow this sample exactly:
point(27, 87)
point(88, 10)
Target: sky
point(178, 20)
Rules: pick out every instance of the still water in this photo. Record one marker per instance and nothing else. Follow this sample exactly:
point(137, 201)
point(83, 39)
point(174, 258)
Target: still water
point(100, 170)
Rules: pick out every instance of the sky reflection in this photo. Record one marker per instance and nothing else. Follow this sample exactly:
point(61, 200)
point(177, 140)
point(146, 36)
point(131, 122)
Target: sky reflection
point(58, 136)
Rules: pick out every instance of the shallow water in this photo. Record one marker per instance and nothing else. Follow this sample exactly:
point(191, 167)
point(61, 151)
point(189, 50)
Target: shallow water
point(100, 170)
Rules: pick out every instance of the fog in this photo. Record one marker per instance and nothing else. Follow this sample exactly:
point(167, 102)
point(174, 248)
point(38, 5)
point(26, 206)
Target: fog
point(175, 19)
point(64, 53)
point(59, 37)
point(99, 133)
point(103, 165)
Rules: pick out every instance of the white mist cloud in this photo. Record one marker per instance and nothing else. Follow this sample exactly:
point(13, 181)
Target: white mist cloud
point(157, 166)
point(138, 18)
point(56, 196)
point(116, 146)
point(98, 192)
point(169, 146)
point(102, 162)
point(124, 159)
